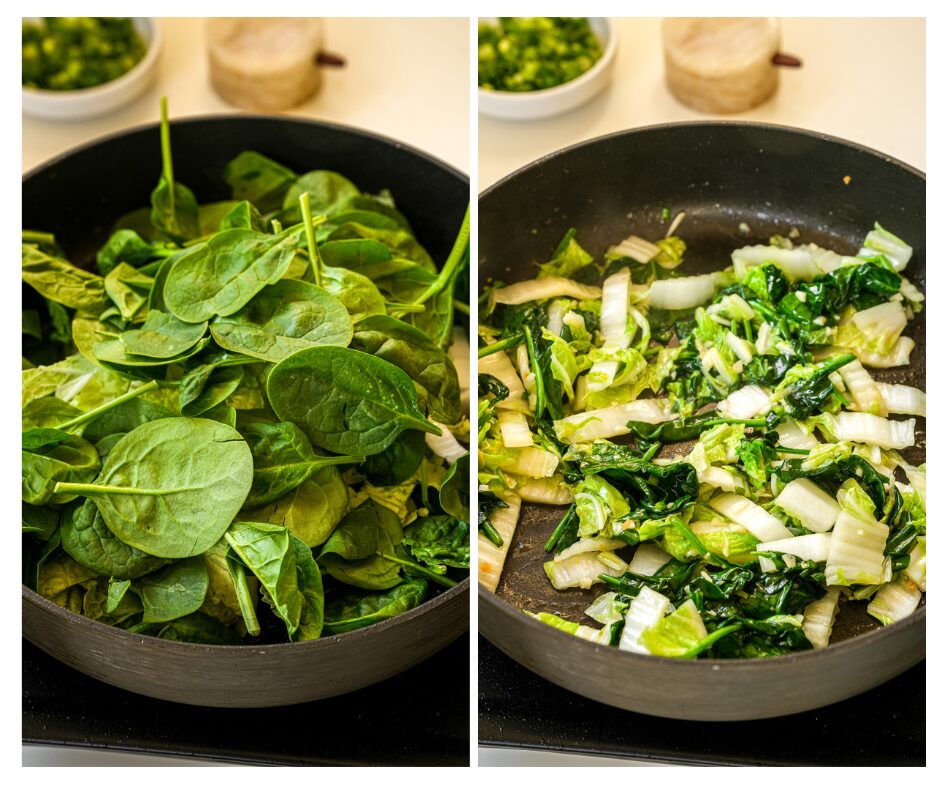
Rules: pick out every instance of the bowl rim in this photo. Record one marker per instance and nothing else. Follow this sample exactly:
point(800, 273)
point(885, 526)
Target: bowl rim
point(237, 117)
point(489, 600)
point(147, 62)
point(705, 124)
point(571, 86)
point(200, 649)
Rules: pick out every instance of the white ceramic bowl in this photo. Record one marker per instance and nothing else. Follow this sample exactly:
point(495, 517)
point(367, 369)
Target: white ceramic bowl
point(99, 100)
point(562, 98)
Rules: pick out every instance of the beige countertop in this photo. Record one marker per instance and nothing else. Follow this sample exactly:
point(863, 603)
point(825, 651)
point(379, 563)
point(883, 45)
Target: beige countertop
point(862, 79)
point(405, 78)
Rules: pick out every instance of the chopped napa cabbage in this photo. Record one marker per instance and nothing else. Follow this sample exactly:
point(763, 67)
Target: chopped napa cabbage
point(514, 427)
point(445, 445)
point(600, 507)
point(635, 248)
point(551, 491)
point(866, 428)
point(590, 545)
point(863, 389)
point(810, 547)
point(808, 503)
point(578, 571)
point(903, 400)
point(648, 559)
point(603, 637)
point(878, 328)
point(611, 421)
point(899, 356)
point(793, 436)
point(500, 367)
point(895, 600)
point(854, 500)
point(916, 570)
point(490, 558)
point(797, 264)
point(539, 289)
point(819, 616)
point(647, 609)
point(676, 634)
point(880, 242)
point(856, 552)
point(564, 363)
point(747, 402)
point(568, 261)
point(743, 511)
point(683, 292)
point(534, 462)
point(731, 541)
point(606, 609)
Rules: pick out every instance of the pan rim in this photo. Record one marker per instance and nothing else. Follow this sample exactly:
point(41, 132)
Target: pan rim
point(340, 128)
point(703, 124)
point(131, 640)
point(499, 606)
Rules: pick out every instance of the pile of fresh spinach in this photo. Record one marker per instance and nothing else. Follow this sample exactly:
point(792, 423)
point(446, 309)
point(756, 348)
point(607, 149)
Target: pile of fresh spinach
point(224, 419)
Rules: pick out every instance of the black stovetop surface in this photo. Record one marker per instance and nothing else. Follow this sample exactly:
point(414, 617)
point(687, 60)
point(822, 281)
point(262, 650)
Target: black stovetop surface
point(885, 726)
point(420, 717)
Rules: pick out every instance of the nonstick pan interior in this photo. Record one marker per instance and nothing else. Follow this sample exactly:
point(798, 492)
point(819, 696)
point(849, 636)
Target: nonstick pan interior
point(738, 184)
point(79, 196)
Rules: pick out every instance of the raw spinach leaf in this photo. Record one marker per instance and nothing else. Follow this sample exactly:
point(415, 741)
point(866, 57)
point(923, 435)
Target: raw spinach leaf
point(224, 274)
point(355, 609)
point(346, 401)
point(287, 572)
point(412, 351)
point(439, 541)
point(46, 465)
point(398, 462)
point(171, 487)
point(327, 190)
point(283, 460)
point(60, 281)
point(243, 214)
point(86, 538)
point(455, 489)
point(174, 591)
point(311, 510)
point(162, 336)
point(258, 179)
point(356, 292)
point(352, 553)
point(283, 318)
point(200, 628)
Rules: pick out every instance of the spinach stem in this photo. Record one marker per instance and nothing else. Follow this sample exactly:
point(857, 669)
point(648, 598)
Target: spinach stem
point(243, 594)
point(403, 309)
point(92, 489)
point(315, 263)
point(504, 344)
point(87, 416)
point(276, 226)
point(712, 638)
point(452, 264)
point(537, 372)
point(487, 529)
point(559, 529)
point(461, 307)
point(439, 579)
point(36, 237)
point(167, 153)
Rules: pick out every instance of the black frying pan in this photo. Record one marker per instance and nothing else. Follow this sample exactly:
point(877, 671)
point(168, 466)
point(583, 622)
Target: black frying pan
point(78, 196)
point(771, 179)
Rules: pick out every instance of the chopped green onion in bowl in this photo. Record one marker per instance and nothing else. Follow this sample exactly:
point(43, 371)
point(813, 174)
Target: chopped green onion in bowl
point(74, 53)
point(524, 54)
